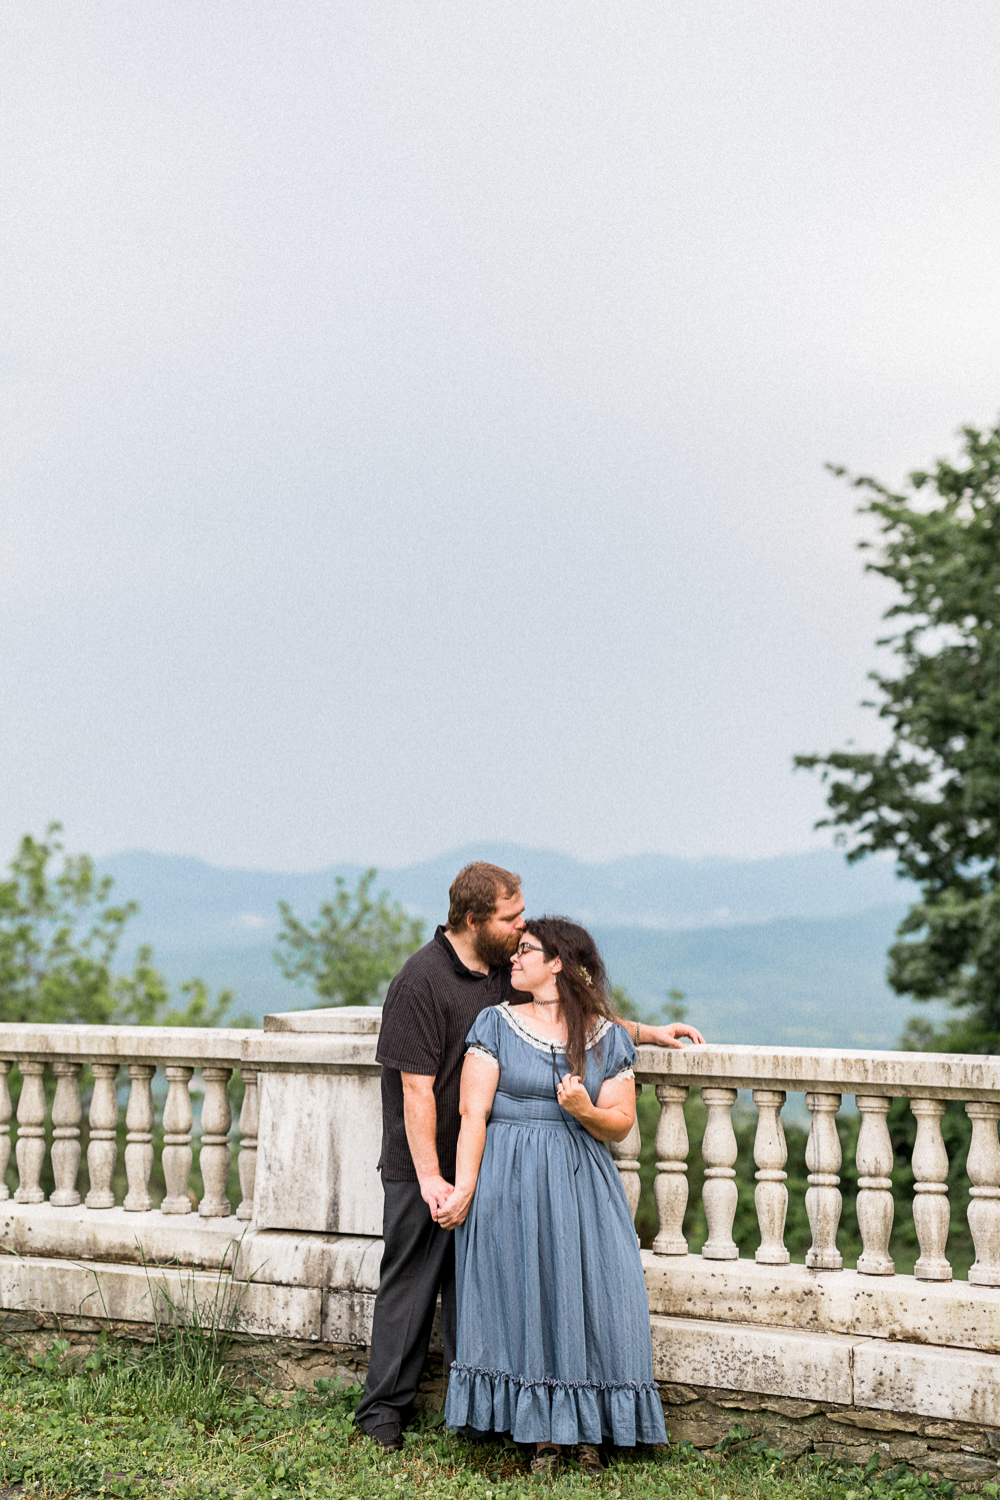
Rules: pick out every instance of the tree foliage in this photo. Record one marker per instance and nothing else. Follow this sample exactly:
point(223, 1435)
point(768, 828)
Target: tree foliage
point(355, 946)
point(933, 796)
point(59, 933)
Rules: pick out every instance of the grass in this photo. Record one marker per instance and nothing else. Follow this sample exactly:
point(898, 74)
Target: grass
point(174, 1421)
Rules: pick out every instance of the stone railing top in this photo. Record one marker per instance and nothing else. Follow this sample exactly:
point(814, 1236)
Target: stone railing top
point(927, 1075)
point(354, 1020)
point(189, 1045)
point(343, 1039)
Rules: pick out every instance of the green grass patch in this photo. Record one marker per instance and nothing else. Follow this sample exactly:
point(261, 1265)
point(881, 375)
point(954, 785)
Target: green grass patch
point(174, 1420)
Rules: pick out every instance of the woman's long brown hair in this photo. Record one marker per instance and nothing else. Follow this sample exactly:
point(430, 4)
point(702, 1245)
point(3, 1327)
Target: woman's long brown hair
point(582, 982)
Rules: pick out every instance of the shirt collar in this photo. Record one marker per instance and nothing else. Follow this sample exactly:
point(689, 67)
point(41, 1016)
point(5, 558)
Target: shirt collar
point(456, 963)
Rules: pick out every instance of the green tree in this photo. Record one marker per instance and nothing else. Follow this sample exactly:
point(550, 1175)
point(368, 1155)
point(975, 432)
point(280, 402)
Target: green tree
point(355, 946)
point(59, 933)
point(932, 796)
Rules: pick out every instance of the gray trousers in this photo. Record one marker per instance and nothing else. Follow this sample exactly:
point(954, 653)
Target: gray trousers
point(419, 1262)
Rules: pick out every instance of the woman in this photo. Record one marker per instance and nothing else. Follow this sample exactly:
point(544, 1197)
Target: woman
point(553, 1322)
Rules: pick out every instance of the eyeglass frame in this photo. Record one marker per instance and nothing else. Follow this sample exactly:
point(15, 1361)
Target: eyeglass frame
point(527, 948)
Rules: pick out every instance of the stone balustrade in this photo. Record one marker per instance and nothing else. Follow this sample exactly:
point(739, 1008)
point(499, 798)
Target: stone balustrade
point(927, 1080)
point(296, 1255)
point(113, 1054)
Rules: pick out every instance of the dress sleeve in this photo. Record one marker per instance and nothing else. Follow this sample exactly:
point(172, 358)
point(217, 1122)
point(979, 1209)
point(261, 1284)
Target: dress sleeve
point(483, 1039)
point(620, 1061)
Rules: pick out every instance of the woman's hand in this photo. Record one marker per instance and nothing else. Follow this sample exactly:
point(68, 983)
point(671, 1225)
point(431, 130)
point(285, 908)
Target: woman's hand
point(574, 1097)
point(456, 1210)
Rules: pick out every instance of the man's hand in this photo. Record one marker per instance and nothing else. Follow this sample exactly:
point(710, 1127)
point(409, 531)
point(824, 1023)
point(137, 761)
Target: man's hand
point(435, 1193)
point(667, 1036)
point(456, 1210)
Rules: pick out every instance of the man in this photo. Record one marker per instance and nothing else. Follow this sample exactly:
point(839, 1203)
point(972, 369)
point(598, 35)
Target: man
point(429, 1010)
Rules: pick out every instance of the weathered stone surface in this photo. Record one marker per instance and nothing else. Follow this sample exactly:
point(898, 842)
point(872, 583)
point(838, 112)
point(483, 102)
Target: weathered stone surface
point(319, 1139)
point(113, 1234)
point(771, 1360)
point(347, 1317)
point(880, 1421)
point(788, 1406)
point(952, 1383)
point(678, 1395)
point(134, 1294)
point(908, 1075)
point(960, 1467)
point(907, 1450)
point(897, 1307)
point(703, 1434)
point(354, 1020)
point(323, 1260)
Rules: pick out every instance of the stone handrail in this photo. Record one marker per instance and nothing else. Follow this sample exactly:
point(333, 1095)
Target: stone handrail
point(928, 1080)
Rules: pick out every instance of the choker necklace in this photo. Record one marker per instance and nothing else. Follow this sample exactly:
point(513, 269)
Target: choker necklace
point(543, 1002)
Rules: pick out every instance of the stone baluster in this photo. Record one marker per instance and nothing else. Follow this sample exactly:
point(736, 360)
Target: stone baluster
point(823, 1202)
point(177, 1155)
point(247, 1160)
point(984, 1208)
point(6, 1111)
point(102, 1150)
point(874, 1159)
point(931, 1210)
point(139, 1138)
point(626, 1159)
point(66, 1116)
point(770, 1195)
point(216, 1118)
point(670, 1186)
point(720, 1195)
point(31, 1133)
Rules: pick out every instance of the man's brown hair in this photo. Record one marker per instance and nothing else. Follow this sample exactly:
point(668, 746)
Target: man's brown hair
point(476, 892)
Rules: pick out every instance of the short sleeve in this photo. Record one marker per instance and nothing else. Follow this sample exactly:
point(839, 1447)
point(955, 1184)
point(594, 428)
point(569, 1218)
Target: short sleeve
point(621, 1054)
point(483, 1039)
point(412, 1038)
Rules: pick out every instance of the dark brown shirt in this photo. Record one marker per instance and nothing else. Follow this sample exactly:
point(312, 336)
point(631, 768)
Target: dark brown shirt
point(429, 1009)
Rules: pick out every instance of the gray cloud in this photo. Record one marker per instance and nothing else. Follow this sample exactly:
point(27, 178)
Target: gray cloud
point(414, 415)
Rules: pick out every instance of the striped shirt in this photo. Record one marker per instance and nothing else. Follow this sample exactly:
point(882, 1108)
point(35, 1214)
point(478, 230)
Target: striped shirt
point(428, 1012)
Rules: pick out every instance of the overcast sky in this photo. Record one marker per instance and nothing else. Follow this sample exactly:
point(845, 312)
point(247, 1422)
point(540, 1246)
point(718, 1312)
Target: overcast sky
point(414, 415)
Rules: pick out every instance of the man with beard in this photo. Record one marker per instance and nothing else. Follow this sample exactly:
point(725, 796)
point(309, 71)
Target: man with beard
point(429, 1010)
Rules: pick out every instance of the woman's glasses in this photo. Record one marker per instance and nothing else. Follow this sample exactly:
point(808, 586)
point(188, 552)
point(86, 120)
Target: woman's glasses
point(524, 948)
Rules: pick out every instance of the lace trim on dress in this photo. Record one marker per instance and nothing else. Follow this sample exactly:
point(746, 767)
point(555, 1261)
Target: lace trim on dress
point(484, 1052)
point(625, 1073)
point(566, 1385)
point(539, 1043)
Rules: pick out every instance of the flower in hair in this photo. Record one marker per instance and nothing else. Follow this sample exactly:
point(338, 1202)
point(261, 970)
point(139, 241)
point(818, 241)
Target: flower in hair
point(585, 976)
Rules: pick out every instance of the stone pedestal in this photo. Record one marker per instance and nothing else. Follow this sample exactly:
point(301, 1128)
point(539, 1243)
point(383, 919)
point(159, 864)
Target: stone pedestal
point(320, 1135)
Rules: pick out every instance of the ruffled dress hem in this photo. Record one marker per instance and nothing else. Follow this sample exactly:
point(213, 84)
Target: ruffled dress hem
point(555, 1411)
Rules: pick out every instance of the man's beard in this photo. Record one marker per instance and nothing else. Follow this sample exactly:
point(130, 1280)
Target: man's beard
point(493, 950)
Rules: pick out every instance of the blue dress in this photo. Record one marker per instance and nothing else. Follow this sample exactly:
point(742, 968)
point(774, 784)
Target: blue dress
point(553, 1321)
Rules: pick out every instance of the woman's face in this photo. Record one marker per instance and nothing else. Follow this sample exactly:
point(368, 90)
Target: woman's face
point(530, 970)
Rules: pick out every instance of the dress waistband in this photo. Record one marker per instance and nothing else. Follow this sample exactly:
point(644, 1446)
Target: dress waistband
point(508, 1110)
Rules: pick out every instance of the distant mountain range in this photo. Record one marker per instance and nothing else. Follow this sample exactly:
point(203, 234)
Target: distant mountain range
point(783, 951)
point(185, 901)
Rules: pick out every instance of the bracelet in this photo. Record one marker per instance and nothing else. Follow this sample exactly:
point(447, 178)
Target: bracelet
point(637, 1033)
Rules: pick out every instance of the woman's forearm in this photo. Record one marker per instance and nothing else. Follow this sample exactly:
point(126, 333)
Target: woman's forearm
point(607, 1124)
point(471, 1144)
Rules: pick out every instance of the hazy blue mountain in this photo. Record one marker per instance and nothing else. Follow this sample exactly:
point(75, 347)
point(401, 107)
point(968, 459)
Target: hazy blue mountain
point(784, 982)
point(782, 951)
point(186, 901)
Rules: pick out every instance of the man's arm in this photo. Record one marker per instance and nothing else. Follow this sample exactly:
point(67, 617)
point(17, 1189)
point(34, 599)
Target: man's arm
point(662, 1036)
point(420, 1121)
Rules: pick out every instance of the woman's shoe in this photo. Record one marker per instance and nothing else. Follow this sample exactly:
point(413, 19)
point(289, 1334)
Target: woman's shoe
point(589, 1459)
point(545, 1461)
